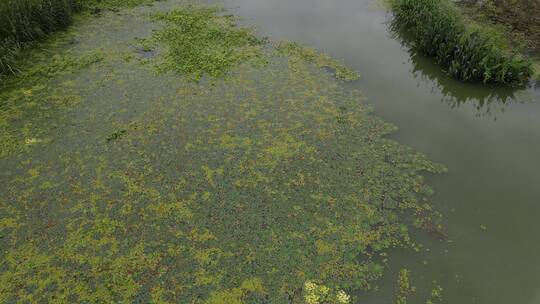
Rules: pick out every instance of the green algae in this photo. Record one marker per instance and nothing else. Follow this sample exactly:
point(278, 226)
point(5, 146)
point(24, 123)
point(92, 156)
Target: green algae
point(436, 295)
point(200, 41)
point(28, 97)
point(404, 287)
point(239, 190)
point(294, 49)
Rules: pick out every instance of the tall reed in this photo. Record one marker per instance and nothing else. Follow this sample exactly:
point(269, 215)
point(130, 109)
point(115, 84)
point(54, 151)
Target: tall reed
point(466, 52)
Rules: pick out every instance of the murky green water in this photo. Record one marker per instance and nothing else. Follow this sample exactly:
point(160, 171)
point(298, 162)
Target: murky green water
point(489, 139)
point(130, 185)
point(121, 183)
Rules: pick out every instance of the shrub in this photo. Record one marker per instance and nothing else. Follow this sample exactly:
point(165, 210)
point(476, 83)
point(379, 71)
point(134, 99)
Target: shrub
point(465, 52)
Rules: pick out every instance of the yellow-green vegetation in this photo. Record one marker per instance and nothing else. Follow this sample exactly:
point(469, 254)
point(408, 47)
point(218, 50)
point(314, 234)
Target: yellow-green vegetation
point(467, 52)
point(320, 294)
point(270, 184)
point(200, 41)
point(30, 97)
point(294, 49)
point(404, 287)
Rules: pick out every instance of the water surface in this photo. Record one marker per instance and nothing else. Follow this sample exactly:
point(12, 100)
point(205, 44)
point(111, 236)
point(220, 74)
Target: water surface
point(489, 138)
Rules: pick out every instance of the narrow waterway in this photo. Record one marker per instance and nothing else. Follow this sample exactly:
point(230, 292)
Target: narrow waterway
point(488, 138)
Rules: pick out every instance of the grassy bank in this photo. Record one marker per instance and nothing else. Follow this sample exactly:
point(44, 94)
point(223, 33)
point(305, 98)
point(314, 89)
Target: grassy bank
point(466, 51)
point(517, 20)
point(23, 22)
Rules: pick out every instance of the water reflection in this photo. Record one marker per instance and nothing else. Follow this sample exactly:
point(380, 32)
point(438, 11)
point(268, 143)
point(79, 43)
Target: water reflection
point(489, 100)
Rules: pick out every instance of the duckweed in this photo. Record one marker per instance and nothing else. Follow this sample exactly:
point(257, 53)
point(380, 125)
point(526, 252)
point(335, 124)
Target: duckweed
point(404, 287)
point(201, 41)
point(30, 97)
point(274, 184)
point(294, 49)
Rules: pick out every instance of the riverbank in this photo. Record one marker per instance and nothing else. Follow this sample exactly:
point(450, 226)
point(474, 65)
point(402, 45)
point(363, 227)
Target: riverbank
point(518, 21)
point(465, 50)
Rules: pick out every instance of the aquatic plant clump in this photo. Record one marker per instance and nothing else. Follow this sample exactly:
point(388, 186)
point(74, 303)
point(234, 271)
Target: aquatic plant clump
point(200, 41)
point(294, 49)
point(22, 22)
point(467, 52)
point(27, 98)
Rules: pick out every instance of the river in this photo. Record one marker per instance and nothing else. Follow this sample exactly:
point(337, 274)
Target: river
point(489, 138)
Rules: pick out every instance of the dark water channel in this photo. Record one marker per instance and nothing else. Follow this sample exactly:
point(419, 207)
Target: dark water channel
point(489, 138)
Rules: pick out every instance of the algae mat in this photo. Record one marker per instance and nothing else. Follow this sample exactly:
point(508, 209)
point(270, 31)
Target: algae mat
point(267, 183)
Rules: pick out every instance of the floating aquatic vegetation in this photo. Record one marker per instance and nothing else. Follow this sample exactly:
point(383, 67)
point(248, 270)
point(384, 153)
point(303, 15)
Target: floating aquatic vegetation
point(116, 135)
point(26, 98)
point(294, 49)
point(404, 287)
point(436, 295)
point(320, 294)
point(201, 41)
point(237, 191)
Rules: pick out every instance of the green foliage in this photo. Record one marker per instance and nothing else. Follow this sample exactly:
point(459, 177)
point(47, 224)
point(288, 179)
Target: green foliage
point(436, 295)
point(321, 60)
point(200, 41)
point(466, 52)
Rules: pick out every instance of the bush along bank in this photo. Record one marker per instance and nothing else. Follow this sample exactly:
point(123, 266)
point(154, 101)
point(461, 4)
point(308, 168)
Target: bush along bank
point(467, 52)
